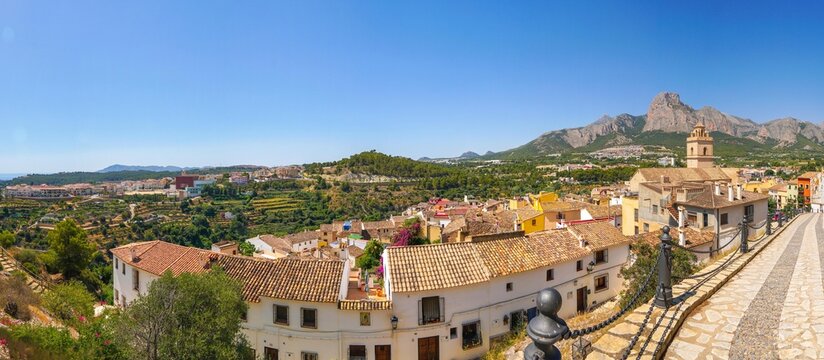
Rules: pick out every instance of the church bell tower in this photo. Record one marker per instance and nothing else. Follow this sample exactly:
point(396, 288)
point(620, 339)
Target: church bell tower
point(699, 148)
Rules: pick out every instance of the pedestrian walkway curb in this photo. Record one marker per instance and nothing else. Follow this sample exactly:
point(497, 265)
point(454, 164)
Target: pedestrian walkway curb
point(655, 339)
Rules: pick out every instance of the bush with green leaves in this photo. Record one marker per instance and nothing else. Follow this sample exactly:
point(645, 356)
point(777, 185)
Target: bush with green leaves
point(683, 264)
point(70, 302)
point(7, 239)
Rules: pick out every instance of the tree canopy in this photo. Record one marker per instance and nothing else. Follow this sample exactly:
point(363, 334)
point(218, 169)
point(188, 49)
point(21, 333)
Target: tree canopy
point(74, 252)
point(162, 325)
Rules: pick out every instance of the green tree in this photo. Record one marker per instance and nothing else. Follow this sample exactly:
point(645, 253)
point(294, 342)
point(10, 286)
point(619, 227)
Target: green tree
point(7, 239)
point(70, 302)
point(74, 252)
point(162, 325)
point(683, 264)
point(246, 248)
point(371, 257)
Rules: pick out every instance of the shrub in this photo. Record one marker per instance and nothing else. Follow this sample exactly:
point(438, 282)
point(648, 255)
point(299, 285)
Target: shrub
point(16, 296)
point(69, 302)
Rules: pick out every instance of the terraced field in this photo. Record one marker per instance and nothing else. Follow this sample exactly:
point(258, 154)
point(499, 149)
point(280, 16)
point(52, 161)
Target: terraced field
point(276, 204)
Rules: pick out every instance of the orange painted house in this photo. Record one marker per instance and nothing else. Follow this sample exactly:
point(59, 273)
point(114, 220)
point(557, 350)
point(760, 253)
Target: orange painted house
point(804, 185)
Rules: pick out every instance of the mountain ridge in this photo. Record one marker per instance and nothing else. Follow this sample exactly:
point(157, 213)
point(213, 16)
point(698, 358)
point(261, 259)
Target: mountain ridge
point(667, 114)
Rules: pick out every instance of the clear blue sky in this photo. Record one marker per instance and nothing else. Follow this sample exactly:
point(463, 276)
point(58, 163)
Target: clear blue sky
point(85, 84)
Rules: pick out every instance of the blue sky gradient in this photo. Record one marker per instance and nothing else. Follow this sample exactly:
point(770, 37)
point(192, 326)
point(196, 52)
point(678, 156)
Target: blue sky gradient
point(85, 84)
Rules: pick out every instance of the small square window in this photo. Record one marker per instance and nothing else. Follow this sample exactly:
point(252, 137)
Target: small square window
point(509, 286)
point(357, 352)
point(281, 315)
point(453, 333)
point(471, 335)
point(579, 265)
point(308, 318)
point(550, 275)
point(308, 355)
point(601, 283)
point(534, 222)
point(601, 257)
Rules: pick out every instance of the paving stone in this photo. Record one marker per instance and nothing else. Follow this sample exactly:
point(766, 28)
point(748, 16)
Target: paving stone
point(772, 301)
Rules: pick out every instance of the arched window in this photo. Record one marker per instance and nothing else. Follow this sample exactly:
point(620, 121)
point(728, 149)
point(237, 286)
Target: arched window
point(692, 151)
point(705, 151)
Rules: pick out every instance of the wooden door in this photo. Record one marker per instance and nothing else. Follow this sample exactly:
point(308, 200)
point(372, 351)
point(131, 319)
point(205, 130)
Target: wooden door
point(428, 348)
point(582, 299)
point(270, 353)
point(383, 352)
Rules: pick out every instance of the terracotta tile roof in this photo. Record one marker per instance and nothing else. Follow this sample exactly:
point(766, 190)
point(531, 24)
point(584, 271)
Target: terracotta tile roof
point(428, 267)
point(355, 251)
point(526, 213)
point(677, 175)
point(546, 248)
point(425, 267)
point(562, 205)
point(383, 224)
point(327, 227)
point(303, 236)
point(708, 200)
point(277, 243)
point(158, 256)
point(598, 211)
point(779, 187)
point(599, 235)
point(365, 305)
point(693, 237)
point(808, 175)
point(288, 278)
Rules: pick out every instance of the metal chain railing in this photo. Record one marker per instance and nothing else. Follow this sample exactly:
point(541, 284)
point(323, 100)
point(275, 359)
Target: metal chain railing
point(572, 334)
point(547, 328)
point(710, 251)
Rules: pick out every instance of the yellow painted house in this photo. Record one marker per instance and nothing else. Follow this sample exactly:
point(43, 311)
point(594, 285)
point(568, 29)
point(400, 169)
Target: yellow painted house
point(761, 187)
point(530, 220)
point(629, 216)
point(543, 197)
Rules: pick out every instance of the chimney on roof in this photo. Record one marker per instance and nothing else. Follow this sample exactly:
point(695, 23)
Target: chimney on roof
point(717, 189)
point(133, 253)
point(738, 192)
point(730, 195)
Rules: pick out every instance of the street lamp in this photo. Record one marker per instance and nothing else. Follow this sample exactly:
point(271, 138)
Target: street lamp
point(394, 322)
point(590, 266)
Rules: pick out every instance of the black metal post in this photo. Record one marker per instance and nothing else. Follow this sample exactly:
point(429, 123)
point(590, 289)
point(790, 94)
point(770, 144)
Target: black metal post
point(745, 234)
point(546, 328)
point(781, 219)
point(769, 224)
point(663, 294)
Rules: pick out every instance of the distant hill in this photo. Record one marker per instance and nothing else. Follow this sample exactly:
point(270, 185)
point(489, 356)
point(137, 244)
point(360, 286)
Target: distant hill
point(667, 122)
point(118, 167)
point(469, 155)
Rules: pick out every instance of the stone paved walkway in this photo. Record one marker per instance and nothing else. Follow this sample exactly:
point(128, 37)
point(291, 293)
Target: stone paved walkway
point(772, 309)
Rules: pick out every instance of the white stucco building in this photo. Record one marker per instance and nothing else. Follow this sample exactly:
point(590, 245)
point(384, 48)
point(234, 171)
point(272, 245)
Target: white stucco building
point(442, 301)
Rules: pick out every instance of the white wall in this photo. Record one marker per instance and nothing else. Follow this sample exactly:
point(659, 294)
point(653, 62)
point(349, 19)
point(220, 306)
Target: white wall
point(488, 302)
point(124, 285)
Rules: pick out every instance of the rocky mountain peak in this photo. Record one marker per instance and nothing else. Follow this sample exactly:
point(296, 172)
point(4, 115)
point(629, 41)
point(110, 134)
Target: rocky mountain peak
point(666, 99)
